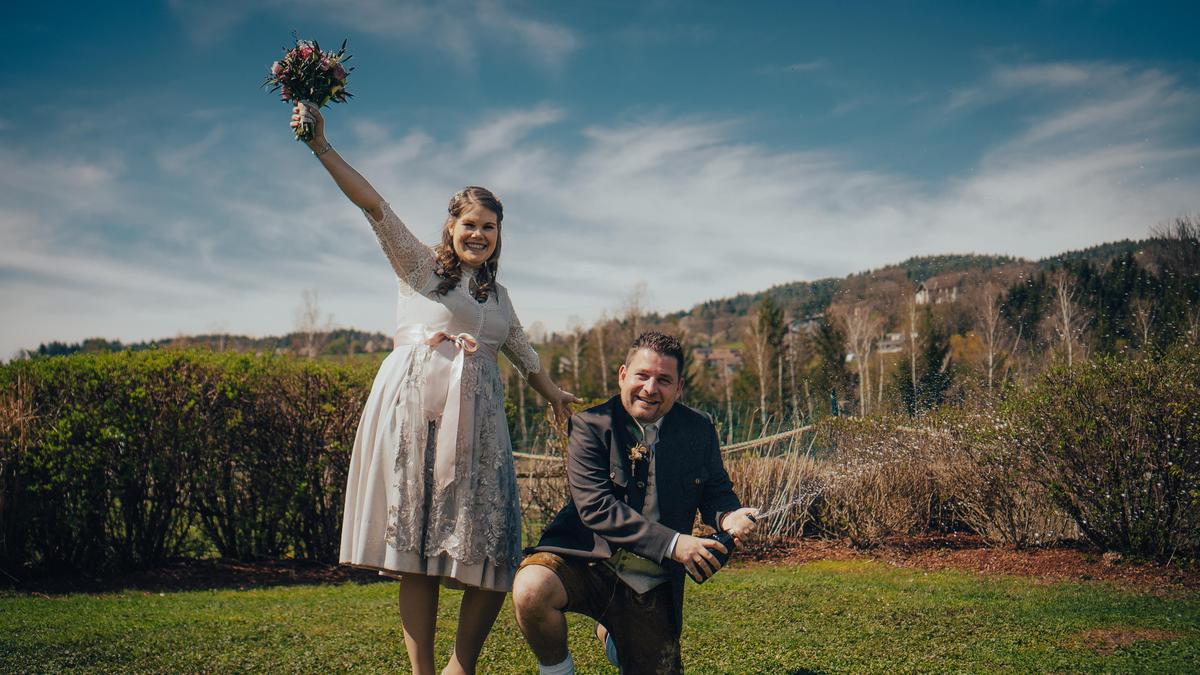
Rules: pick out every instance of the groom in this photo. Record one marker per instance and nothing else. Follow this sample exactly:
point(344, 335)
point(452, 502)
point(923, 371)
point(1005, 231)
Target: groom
point(639, 468)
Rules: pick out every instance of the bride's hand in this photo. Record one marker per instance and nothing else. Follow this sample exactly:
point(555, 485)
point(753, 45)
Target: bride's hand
point(561, 405)
point(308, 113)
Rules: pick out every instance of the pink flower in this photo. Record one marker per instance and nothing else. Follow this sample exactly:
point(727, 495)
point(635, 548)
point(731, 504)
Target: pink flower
point(339, 73)
point(276, 68)
point(306, 52)
point(326, 64)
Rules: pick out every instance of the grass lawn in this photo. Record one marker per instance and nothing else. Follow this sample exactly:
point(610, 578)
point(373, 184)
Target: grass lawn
point(845, 616)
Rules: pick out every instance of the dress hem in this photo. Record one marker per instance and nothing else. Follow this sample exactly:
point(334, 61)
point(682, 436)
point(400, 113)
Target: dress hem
point(450, 572)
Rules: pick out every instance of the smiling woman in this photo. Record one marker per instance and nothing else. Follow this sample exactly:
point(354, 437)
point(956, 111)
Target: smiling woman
point(471, 240)
point(431, 496)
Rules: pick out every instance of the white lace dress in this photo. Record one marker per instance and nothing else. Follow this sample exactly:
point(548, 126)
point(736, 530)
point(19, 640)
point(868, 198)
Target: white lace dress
point(431, 488)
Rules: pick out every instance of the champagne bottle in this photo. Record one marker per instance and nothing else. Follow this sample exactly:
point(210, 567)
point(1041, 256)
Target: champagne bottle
point(726, 540)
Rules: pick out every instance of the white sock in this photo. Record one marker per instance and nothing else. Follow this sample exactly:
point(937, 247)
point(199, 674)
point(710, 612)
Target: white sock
point(567, 667)
point(610, 650)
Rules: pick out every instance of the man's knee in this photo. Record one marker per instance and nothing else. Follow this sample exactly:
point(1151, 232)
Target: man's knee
point(538, 588)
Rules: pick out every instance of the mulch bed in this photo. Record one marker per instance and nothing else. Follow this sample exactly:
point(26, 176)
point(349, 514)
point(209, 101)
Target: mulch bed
point(970, 553)
point(190, 575)
point(953, 551)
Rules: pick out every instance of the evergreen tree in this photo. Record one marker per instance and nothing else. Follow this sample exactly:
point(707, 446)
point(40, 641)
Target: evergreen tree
point(830, 379)
point(934, 371)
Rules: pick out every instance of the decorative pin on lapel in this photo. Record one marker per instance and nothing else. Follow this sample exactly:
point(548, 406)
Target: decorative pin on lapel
point(638, 451)
point(649, 435)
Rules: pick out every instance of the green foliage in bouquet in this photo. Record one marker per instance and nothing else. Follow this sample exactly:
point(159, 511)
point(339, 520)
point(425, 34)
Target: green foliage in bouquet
point(305, 73)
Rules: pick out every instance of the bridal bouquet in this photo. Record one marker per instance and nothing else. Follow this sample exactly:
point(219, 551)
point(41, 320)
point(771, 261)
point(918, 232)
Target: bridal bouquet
point(305, 73)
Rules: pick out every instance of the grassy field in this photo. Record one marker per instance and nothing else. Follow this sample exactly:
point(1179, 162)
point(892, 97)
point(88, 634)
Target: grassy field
point(854, 616)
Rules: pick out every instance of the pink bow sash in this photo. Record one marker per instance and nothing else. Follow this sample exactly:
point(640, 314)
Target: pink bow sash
point(442, 396)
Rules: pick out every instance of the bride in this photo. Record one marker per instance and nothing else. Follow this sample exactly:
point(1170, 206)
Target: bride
point(431, 496)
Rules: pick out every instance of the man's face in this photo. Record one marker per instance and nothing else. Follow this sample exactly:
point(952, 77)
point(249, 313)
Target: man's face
point(650, 383)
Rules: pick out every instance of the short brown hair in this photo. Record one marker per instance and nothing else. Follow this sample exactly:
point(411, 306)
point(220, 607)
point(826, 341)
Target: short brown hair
point(659, 343)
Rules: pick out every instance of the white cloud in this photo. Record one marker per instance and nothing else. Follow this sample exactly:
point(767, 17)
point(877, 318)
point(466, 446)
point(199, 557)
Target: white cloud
point(177, 158)
point(686, 205)
point(459, 28)
point(509, 128)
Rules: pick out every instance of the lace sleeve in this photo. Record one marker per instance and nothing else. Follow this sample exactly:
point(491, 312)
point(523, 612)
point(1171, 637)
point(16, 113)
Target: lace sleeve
point(411, 259)
point(518, 350)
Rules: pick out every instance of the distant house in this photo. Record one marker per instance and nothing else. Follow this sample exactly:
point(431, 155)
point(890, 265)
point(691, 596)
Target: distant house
point(808, 325)
point(939, 289)
point(891, 343)
point(723, 358)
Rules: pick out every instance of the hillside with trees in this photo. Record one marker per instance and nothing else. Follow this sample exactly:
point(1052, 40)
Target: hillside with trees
point(903, 338)
point(908, 337)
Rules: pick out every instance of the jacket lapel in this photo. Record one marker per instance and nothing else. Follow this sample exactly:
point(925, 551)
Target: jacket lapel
point(625, 436)
point(622, 439)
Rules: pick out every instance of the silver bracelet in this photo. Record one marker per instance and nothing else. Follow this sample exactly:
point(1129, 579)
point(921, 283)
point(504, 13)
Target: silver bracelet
point(327, 148)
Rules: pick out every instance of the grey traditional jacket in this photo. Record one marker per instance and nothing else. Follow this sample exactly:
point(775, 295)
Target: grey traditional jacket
point(608, 489)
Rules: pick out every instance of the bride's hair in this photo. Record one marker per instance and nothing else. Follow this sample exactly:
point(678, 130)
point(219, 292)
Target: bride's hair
point(449, 267)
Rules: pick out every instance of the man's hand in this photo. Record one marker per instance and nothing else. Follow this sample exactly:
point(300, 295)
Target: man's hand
point(693, 553)
point(740, 524)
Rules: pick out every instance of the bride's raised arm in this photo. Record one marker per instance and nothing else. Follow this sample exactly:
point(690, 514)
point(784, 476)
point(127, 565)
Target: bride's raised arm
point(411, 259)
point(353, 185)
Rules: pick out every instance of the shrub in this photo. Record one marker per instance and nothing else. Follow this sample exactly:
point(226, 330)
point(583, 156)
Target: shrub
point(768, 483)
point(990, 484)
point(98, 476)
point(109, 461)
point(880, 483)
point(1117, 443)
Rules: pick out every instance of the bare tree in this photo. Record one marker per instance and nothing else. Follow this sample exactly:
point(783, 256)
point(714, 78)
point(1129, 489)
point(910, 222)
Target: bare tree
point(634, 308)
point(599, 331)
point(1068, 318)
point(861, 325)
point(912, 338)
point(793, 354)
point(989, 326)
point(312, 328)
point(727, 385)
point(759, 346)
point(879, 398)
point(1142, 312)
point(575, 335)
point(764, 333)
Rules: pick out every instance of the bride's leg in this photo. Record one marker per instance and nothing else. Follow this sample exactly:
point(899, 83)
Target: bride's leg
point(475, 619)
point(418, 613)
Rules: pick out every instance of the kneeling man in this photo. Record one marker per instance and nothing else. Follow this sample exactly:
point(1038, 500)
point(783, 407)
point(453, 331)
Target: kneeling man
point(639, 468)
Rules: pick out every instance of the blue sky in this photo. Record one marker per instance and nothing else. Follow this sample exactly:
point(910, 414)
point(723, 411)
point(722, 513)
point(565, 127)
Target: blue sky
point(148, 188)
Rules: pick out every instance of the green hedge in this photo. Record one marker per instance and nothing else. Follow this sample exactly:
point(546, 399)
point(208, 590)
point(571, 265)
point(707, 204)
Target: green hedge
point(119, 461)
point(1117, 443)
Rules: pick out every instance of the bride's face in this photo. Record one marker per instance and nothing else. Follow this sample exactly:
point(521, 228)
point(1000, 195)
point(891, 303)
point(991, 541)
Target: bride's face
point(475, 234)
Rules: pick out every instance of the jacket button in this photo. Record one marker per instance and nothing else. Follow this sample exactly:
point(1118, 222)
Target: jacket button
point(641, 484)
point(612, 474)
point(696, 481)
